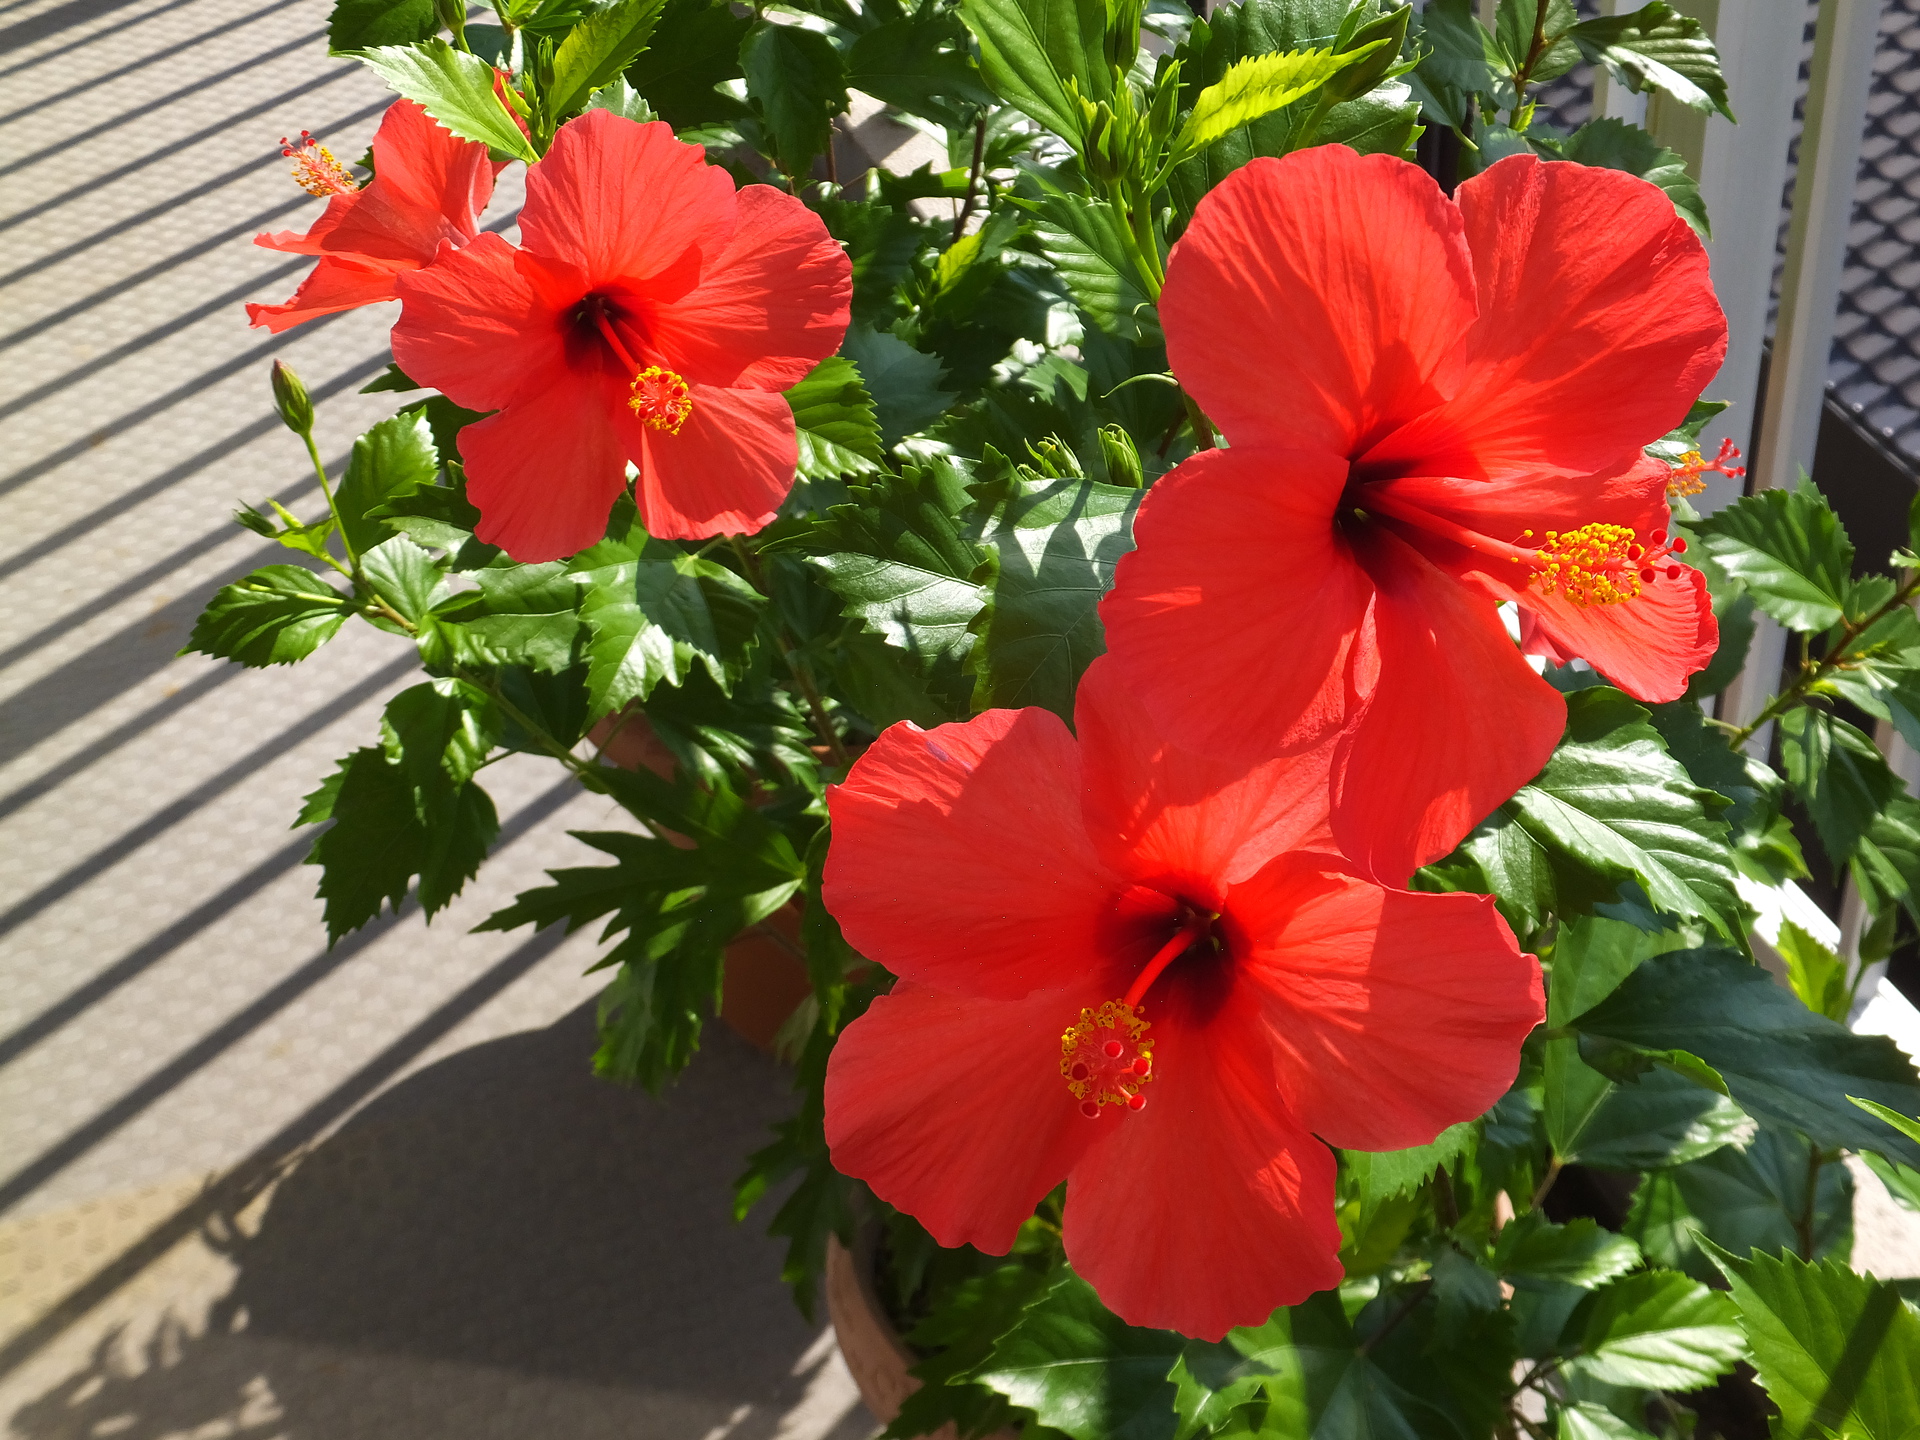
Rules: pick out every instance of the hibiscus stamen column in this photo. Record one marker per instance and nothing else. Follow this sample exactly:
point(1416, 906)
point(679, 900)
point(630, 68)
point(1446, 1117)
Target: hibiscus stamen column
point(657, 395)
point(1105, 1056)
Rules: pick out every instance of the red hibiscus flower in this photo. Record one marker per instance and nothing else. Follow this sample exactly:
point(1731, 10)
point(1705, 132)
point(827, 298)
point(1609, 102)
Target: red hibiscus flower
point(1115, 971)
point(652, 316)
point(1433, 406)
point(428, 189)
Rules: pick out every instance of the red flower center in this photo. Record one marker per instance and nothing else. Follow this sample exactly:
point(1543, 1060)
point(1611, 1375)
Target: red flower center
point(655, 394)
point(1105, 1056)
point(315, 168)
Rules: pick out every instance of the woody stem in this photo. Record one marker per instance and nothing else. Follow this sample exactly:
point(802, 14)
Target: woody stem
point(1178, 945)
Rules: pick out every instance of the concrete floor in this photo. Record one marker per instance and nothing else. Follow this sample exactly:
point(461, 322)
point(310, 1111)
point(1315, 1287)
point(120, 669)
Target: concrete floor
point(249, 1186)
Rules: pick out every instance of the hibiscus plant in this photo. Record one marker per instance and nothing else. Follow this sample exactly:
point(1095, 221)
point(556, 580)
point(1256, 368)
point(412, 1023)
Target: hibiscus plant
point(1186, 619)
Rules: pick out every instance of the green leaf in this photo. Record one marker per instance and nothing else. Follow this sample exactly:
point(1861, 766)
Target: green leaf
point(1456, 63)
point(834, 417)
point(797, 80)
point(392, 460)
point(619, 96)
point(1612, 804)
point(1838, 1353)
point(1818, 976)
point(1615, 145)
point(695, 48)
point(1037, 53)
point(919, 63)
point(289, 530)
point(1084, 1372)
point(1086, 241)
point(1662, 1119)
point(389, 827)
point(904, 382)
point(1588, 1421)
point(443, 729)
point(455, 88)
point(436, 515)
point(1661, 1330)
point(1056, 544)
point(358, 24)
point(1880, 671)
point(654, 612)
point(1256, 87)
point(1656, 47)
point(1790, 551)
point(1740, 1200)
point(404, 575)
point(1886, 863)
point(275, 616)
point(956, 1337)
point(1905, 1124)
point(597, 50)
point(1782, 1063)
point(1577, 1253)
point(527, 614)
point(1839, 775)
point(897, 559)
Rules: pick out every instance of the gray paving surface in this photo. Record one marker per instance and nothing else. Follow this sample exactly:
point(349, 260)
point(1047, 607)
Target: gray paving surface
point(249, 1186)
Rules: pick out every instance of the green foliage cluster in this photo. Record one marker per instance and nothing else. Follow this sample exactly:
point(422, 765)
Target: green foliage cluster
point(969, 469)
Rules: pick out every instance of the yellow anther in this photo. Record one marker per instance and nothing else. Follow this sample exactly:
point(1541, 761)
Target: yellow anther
point(1595, 565)
point(659, 397)
point(315, 168)
point(1104, 1058)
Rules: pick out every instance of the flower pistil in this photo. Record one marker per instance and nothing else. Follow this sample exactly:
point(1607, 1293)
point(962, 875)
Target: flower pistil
point(315, 168)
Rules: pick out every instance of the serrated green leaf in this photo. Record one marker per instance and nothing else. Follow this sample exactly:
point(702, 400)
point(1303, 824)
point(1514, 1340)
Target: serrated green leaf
point(1839, 775)
point(455, 88)
point(1654, 46)
point(1886, 863)
point(1035, 54)
point(597, 50)
point(1838, 1353)
point(1741, 1199)
point(695, 48)
point(913, 63)
point(404, 575)
point(1580, 1253)
point(392, 460)
point(288, 530)
point(1086, 241)
point(525, 614)
point(436, 515)
point(799, 82)
point(1661, 1330)
point(1615, 145)
point(1782, 1063)
point(834, 418)
point(1818, 975)
point(1790, 551)
point(275, 616)
point(1880, 671)
point(442, 730)
point(905, 383)
point(1056, 544)
point(1661, 1119)
point(1613, 804)
point(358, 24)
point(897, 559)
point(956, 1337)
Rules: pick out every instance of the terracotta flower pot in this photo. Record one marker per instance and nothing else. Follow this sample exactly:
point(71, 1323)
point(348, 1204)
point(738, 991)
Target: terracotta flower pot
point(763, 980)
point(875, 1354)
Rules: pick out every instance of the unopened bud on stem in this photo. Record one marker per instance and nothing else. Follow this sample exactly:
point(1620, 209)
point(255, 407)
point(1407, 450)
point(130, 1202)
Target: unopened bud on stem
point(291, 400)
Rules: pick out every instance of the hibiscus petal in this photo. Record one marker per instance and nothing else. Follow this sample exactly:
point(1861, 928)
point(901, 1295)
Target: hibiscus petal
point(1319, 300)
point(724, 472)
point(767, 310)
point(1212, 1206)
point(1234, 618)
point(1648, 646)
point(544, 472)
point(953, 1108)
point(1196, 822)
point(626, 202)
point(1391, 1015)
point(336, 283)
point(959, 859)
point(477, 328)
point(1589, 285)
point(1454, 724)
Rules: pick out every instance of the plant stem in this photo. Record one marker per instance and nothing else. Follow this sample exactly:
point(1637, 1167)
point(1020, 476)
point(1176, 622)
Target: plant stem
point(1803, 1223)
point(320, 473)
point(1812, 674)
point(1443, 1200)
point(582, 770)
point(1534, 51)
point(1554, 1167)
point(802, 677)
point(973, 178)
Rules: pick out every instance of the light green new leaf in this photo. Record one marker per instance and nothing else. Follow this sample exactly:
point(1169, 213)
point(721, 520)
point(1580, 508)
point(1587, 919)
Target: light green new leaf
point(834, 417)
point(1817, 974)
point(1660, 1330)
point(1257, 86)
point(1588, 1421)
point(1790, 551)
point(1838, 1353)
point(455, 88)
point(275, 616)
point(597, 50)
point(1905, 1124)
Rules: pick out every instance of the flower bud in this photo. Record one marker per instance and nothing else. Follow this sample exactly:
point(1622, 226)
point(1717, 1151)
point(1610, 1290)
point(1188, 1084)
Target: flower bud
point(452, 14)
point(1122, 457)
point(291, 400)
point(1390, 32)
